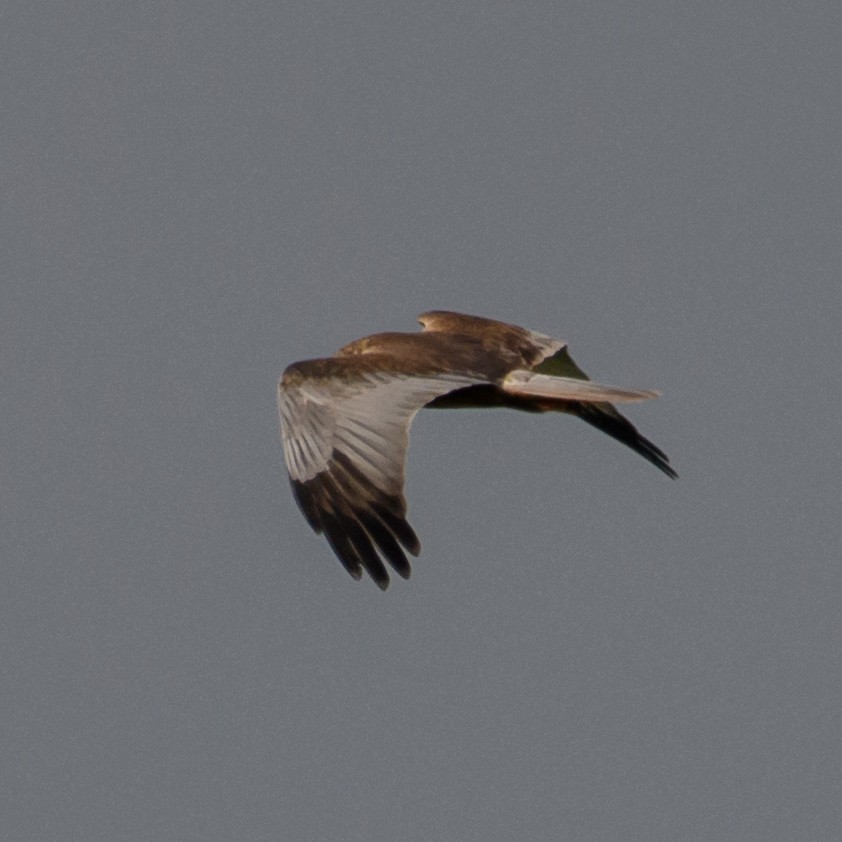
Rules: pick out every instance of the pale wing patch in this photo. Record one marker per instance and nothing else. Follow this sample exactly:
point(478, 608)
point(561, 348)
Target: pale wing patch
point(367, 417)
point(522, 382)
point(306, 424)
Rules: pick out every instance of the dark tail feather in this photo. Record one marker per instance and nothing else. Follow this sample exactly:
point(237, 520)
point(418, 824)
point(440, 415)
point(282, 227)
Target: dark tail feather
point(604, 417)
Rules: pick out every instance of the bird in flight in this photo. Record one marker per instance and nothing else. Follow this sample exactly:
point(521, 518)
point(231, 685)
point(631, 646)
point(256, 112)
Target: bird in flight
point(345, 421)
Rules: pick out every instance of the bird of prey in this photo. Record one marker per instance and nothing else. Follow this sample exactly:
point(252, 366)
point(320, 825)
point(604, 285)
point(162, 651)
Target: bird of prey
point(345, 420)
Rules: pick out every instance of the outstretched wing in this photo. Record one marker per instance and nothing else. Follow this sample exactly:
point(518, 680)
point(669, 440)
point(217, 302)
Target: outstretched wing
point(345, 431)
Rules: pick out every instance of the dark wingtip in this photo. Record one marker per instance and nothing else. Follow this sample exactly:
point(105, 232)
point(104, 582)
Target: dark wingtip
point(399, 526)
point(342, 548)
point(361, 522)
point(654, 455)
point(608, 420)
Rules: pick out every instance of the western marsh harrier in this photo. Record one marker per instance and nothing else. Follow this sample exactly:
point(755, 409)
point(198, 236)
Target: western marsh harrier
point(345, 420)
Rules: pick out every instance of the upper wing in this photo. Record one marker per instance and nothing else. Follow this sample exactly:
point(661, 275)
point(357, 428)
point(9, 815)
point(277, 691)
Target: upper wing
point(345, 430)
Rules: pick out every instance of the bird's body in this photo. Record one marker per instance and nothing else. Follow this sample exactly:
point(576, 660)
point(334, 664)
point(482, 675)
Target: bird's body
point(345, 420)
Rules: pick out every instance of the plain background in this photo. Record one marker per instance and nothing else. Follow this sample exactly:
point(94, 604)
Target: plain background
point(194, 195)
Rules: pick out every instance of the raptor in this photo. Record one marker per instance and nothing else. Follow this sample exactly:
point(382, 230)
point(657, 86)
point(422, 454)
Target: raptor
point(345, 421)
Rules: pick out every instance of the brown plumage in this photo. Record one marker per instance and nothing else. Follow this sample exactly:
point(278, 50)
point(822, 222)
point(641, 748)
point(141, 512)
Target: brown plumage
point(345, 420)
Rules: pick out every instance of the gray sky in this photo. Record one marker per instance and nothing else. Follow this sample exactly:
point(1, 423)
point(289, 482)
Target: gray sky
point(197, 194)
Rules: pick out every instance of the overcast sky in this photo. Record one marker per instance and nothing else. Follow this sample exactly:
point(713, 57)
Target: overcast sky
point(195, 195)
